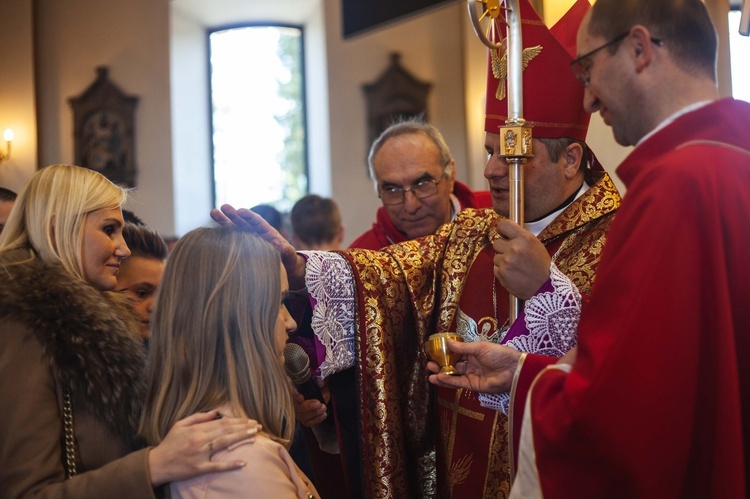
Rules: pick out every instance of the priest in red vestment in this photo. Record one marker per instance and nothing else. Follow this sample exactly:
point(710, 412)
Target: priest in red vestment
point(655, 400)
point(473, 460)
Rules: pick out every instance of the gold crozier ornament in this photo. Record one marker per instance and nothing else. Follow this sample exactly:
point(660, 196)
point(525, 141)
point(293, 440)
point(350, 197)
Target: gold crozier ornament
point(500, 65)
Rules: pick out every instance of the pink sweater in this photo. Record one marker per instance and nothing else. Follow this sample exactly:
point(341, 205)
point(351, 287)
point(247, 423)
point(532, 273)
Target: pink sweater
point(269, 472)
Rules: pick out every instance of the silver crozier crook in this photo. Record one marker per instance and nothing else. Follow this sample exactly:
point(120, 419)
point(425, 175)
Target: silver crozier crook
point(515, 136)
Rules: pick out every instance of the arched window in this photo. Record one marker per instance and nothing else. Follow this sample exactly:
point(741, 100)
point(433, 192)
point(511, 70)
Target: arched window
point(739, 49)
point(258, 115)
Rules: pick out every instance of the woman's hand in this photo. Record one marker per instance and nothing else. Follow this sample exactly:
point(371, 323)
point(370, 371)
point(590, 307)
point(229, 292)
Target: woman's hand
point(249, 221)
point(187, 449)
point(486, 367)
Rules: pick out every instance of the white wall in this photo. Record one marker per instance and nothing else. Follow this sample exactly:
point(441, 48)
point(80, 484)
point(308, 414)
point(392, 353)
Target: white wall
point(191, 117)
point(317, 100)
point(431, 48)
point(475, 74)
point(132, 39)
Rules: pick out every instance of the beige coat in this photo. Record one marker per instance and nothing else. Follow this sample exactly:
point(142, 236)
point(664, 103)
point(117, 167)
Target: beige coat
point(57, 332)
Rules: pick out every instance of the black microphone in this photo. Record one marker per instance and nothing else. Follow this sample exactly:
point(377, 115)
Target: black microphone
point(297, 367)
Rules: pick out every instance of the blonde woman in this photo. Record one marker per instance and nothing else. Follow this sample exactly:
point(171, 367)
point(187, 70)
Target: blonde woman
point(71, 358)
point(217, 340)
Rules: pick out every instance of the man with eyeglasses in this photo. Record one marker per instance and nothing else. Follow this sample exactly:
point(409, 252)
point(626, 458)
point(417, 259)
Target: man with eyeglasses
point(656, 401)
point(415, 177)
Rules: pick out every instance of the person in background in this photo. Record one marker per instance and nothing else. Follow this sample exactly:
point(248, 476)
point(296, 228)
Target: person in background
point(217, 344)
point(654, 402)
point(132, 218)
point(316, 224)
point(140, 273)
point(414, 175)
point(272, 216)
point(7, 199)
point(71, 357)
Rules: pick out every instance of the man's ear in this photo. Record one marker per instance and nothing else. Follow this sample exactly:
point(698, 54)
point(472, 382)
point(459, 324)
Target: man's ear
point(573, 157)
point(643, 49)
point(452, 174)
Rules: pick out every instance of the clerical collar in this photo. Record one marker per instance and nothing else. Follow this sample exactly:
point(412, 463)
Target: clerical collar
point(455, 206)
point(537, 226)
point(670, 119)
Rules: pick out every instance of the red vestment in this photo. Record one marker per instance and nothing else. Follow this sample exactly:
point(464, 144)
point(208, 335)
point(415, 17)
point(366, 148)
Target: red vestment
point(342, 385)
point(473, 458)
point(407, 292)
point(658, 401)
point(383, 233)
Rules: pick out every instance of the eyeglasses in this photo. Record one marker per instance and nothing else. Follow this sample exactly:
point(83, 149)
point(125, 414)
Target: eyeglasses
point(582, 65)
point(423, 189)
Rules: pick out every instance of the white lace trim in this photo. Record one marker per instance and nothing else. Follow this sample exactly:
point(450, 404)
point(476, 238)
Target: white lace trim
point(552, 323)
point(330, 282)
point(498, 401)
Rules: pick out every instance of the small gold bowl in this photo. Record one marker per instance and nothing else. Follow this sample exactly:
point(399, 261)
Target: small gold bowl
point(437, 349)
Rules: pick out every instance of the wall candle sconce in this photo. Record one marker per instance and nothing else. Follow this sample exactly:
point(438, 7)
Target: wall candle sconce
point(8, 137)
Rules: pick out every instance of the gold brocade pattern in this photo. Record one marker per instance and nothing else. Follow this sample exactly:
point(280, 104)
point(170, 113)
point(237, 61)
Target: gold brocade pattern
point(497, 483)
point(594, 203)
point(384, 309)
point(582, 249)
point(411, 290)
point(579, 237)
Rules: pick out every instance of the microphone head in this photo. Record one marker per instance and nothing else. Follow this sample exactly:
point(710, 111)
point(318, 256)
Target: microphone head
point(296, 363)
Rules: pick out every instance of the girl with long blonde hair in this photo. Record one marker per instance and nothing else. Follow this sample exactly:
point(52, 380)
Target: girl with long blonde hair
point(217, 341)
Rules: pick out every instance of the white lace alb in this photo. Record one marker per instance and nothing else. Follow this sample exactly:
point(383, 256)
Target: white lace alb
point(551, 319)
point(330, 282)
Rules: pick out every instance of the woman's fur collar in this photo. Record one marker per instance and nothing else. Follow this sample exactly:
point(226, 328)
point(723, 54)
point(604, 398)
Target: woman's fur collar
point(91, 338)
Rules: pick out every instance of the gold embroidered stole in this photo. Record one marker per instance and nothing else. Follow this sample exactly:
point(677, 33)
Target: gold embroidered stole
point(473, 453)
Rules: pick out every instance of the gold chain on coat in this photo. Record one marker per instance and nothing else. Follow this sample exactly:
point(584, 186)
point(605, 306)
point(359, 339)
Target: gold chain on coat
point(70, 448)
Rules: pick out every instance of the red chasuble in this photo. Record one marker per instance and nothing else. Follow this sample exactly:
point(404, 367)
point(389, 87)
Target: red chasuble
point(473, 451)
point(407, 292)
point(658, 402)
